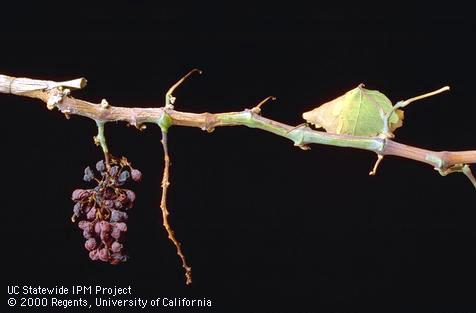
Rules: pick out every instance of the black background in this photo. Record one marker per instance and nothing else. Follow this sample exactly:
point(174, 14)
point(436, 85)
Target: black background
point(266, 227)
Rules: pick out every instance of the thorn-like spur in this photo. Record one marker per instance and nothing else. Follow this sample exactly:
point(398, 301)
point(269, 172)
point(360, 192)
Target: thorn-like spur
point(377, 163)
point(169, 98)
point(257, 108)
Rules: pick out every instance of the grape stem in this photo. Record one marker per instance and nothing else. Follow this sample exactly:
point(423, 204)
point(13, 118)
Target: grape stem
point(165, 211)
point(100, 139)
point(442, 161)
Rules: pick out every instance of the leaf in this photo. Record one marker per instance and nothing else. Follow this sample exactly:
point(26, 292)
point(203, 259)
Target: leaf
point(356, 113)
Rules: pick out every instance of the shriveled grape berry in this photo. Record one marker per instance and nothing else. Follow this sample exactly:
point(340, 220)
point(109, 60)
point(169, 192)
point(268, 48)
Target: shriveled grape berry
point(97, 228)
point(77, 210)
point(80, 194)
point(105, 236)
point(101, 166)
point(91, 214)
point(136, 175)
point(101, 209)
point(94, 255)
point(118, 216)
point(88, 174)
point(131, 197)
point(90, 244)
point(84, 225)
point(86, 207)
point(104, 254)
point(113, 171)
point(124, 177)
point(116, 247)
point(121, 226)
point(105, 226)
point(87, 234)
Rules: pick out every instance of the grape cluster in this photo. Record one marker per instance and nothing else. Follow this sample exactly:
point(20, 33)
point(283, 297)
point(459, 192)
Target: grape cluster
point(101, 210)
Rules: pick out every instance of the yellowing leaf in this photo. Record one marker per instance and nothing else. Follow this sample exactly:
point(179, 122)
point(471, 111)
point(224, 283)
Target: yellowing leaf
point(357, 113)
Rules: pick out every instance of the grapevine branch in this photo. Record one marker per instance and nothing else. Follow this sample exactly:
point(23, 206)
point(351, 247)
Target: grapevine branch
point(57, 95)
